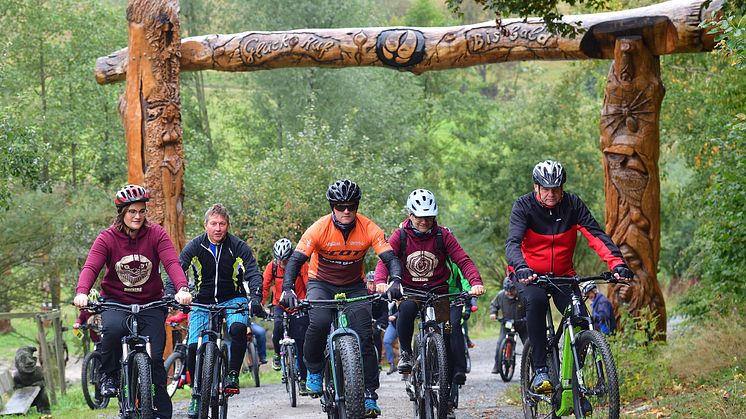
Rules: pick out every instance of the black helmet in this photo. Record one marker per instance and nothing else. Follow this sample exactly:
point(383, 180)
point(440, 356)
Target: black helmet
point(549, 174)
point(343, 190)
point(508, 284)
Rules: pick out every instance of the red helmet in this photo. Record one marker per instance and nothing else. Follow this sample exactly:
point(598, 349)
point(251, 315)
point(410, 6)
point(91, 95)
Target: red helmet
point(129, 195)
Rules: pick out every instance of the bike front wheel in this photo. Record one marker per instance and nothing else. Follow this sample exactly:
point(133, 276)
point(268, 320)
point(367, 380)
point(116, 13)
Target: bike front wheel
point(289, 374)
point(507, 359)
point(437, 381)
point(536, 405)
point(91, 381)
point(219, 406)
point(207, 373)
point(598, 394)
point(349, 370)
point(175, 367)
point(141, 386)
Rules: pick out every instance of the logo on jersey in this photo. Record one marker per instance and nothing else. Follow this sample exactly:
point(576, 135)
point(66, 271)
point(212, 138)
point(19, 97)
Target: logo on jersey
point(421, 265)
point(133, 271)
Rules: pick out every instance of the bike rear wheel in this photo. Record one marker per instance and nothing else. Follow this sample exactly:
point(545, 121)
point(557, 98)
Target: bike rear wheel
point(600, 386)
point(536, 406)
point(437, 381)
point(141, 385)
point(507, 359)
point(175, 367)
point(251, 361)
point(91, 381)
point(208, 373)
point(466, 351)
point(290, 374)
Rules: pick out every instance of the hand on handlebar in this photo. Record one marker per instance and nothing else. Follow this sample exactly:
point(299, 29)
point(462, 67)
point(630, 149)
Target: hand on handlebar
point(525, 275)
point(622, 273)
point(493, 316)
point(81, 300)
point(183, 297)
point(395, 290)
point(477, 290)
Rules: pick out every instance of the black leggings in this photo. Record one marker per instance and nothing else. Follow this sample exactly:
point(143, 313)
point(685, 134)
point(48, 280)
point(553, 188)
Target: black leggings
point(537, 304)
point(150, 323)
point(408, 311)
point(298, 326)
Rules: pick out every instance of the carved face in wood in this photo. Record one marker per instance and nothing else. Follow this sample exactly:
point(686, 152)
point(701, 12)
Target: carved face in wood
point(25, 359)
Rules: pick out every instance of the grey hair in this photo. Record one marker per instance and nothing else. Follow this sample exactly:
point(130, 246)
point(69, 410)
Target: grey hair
point(217, 209)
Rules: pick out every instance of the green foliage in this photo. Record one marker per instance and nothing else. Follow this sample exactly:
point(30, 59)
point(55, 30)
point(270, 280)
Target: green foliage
point(547, 10)
point(20, 153)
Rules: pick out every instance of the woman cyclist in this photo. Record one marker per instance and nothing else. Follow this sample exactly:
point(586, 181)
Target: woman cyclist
point(132, 251)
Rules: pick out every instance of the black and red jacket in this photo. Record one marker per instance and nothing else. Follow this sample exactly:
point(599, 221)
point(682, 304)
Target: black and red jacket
point(544, 239)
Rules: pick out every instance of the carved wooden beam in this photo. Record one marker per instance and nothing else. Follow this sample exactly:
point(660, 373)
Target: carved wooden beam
point(151, 111)
point(630, 142)
point(424, 49)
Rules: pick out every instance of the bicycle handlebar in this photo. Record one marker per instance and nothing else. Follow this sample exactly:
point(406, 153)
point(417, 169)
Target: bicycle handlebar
point(98, 307)
point(305, 304)
point(544, 280)
point(419, 294)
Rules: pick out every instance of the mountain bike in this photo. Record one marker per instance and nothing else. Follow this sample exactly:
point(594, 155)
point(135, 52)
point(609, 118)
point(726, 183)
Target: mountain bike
point(90, 374)
point(177, 375)
point(289, 359)
point(251, 362)
point(212, 362)
point(136, 395)
point(507, 352)
point(343, 387)
point(582, 373)
point(429, 383)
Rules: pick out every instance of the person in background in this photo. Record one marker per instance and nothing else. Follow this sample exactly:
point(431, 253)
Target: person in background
point(93, 321)
point(390, 336)
point(601, 310)
point(132, 251)
point(273, 275)
point(513, 308)
point(380, 312)
point(225, 273)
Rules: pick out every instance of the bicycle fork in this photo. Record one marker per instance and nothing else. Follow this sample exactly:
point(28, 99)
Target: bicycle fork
point(569, 358)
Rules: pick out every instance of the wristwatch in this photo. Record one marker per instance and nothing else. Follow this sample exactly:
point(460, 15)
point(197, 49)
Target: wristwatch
point(184, 289)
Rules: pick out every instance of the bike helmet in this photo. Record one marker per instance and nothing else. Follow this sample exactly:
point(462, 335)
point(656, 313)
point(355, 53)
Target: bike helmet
point(421, 203)
point(129, 195)
point(369, 276)
point(343, 190)
point(282, 249)
point(588, 287)
point(549, 174)
point(508, 284)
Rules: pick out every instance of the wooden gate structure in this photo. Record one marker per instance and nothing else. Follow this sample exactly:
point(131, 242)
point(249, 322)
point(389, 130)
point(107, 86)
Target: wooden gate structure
point(629, 125)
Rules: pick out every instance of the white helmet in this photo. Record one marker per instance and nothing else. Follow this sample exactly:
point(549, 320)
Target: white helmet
point(588, 287)
point(282, 249)
point(421, 203)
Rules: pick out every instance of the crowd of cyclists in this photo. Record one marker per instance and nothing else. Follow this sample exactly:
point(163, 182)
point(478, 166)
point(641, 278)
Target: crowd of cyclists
point(217, 267)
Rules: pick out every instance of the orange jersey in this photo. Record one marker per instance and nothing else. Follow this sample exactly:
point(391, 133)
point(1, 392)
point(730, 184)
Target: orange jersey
point(275, 282)
point(336, 260)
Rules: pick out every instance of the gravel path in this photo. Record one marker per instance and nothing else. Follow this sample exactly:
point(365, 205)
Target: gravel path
point(478, 398)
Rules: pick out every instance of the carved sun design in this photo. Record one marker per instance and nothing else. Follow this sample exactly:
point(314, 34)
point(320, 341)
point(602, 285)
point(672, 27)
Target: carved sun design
point(617, 112)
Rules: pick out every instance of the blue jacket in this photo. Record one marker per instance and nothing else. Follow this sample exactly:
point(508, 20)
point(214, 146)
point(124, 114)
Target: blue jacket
point(603, 315)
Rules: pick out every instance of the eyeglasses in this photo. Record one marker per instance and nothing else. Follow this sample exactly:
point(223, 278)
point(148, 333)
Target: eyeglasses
point(134, 212)
point(425, 219)
point(345, 207)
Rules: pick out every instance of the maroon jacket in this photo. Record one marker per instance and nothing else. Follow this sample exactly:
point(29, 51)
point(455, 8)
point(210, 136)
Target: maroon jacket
point(132, 265)
point(424, 263)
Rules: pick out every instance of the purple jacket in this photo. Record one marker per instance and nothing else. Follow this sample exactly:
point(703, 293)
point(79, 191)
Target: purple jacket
point(132, 265)
point(424, 263)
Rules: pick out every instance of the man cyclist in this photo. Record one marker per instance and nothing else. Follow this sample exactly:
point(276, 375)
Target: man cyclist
point(541, 240)
point(513, 307)
point(422, 247)
point(225, 272)
point(601, 311)
point(273, 274)
point(336, 245)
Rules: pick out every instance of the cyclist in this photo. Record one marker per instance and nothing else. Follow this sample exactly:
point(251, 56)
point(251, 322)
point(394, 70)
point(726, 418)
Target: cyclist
point(273, 274)
point(224, 272)
point(541, 240)
point(513, 308)
point(336, 245)
point(465, 316)
point(132, 250)
point(390, 336)
point(86, 317)
point(427, 247)
point(601, 310)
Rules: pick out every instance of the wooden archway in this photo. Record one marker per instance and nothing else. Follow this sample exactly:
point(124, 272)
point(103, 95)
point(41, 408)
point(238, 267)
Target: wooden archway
point(633, 39)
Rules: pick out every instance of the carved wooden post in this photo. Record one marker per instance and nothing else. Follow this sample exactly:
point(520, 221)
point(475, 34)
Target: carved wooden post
point(151, 109)
point(630, 144)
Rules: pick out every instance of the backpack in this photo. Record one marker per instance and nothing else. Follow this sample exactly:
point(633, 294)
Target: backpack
point(456, 282)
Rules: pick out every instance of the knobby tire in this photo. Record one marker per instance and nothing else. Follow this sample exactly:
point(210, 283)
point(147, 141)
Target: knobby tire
point(219, 408)
point(507, 359)
point(91, 381)
point(175, 365)
point(351, 368)
point(142, 386)
point(534, 407)
point(291, 382)
point(209, 359)
point(436, 374)
point(601, 386)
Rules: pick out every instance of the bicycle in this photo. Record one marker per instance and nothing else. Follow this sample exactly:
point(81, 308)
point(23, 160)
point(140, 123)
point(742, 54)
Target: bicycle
point(212, 363)
point(90, 375)
point(507, 352)
point(252, 361)
point(136, 395)
point(289, 360)
point(583, 373)
point(343, 387)
point(429, 383)
point(177, 375)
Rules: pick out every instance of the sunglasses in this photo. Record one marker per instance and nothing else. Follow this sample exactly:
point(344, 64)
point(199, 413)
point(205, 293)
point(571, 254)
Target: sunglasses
point(345, 207)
